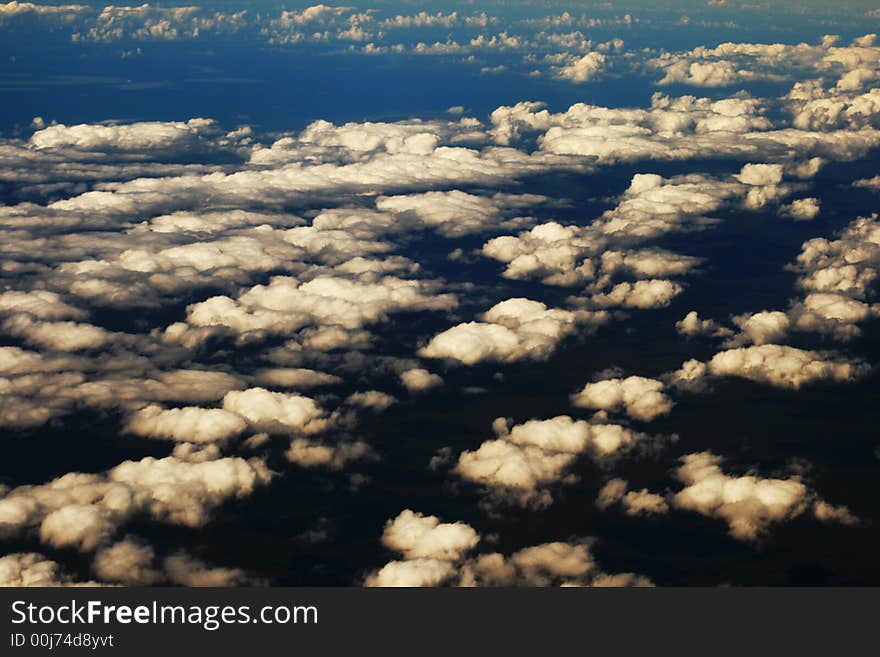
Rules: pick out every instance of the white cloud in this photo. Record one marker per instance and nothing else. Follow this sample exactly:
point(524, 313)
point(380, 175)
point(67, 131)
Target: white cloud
point(549, 564)
point(296, 377)
point(60, 336)
point(837, 277)
point(692, 325)
point(654, 293)
point(525, 461)
point(739, 63)
point(868, 183)
point(584, 68)
point(183, 570)
point(435, 554)
point(412, 573)
point(371, 400)
point(552, 252)
point(196, 452)
point(190, 424)
point(649, 208)
point(40, 304)
point(802, 209)
point(778, 365)
point(217, 222)
point(765, 327)
point(277, 412)
point(681, 129)
point(452, 214)
point(31, 569)
point(842, 108)
point(826, 512)
point(127, 562)
point(749, 504)
point(634, 502)
point(136, 137)
point(286, 305)
point(515, 329)
point(15, 8)
point(309, 454)
point(760, 174)
point(418, 379)
point(83, 511)
point(639, 397)
point(702, 74)
point(648, 263)
point(417, 536)
point(441, 208)
point(36, 388)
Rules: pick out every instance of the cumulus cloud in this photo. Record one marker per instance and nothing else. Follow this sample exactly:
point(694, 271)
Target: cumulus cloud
point(760, 174)
point(650, 208)
point(127, 562)
point(184, 570)
point(802, 209)
point(39, 304)
point(418, 380)
point(196, 452)
point(654, 293)
point(417, 536)
point(702, 74)
point(151, 23)
point(549, 564)
point(60, 336)
point(837, 277)
point(371, 400)
point(309, 454)
point(634, 502)
point(868, 183)
point(36, 388)
point(435, 554)
point(277, 412)
point(553, 252)
point(84, 511)
point(116, 273)
point(639, 397)
point(845, 107)
point(749, 504)
point(31, 569)
point(692, 325)
point(680, 129)
point(512, 330)
point(765, 327)
point(773, 364)
point(286, 305)
point(648, 263)
point(15, 8)
point(133, 563)
point(525, 461)
point(213, 222)
point(454, 213)
point(137, 137)
point(738, 63)
point(412, 573)
point(191, 424)
point(584, 68)
point(836, 314)
point(297, 377)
